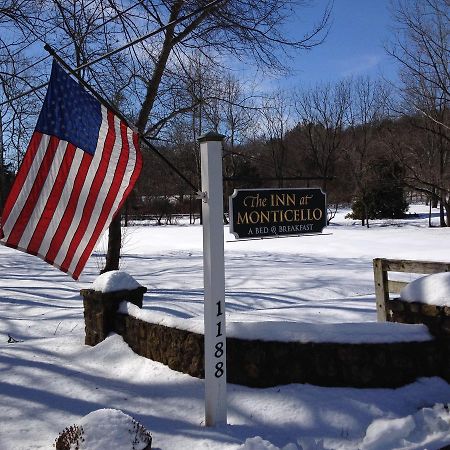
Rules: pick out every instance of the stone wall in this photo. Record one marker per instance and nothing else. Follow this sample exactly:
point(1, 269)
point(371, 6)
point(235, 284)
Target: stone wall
point(178, 349)
point(436, 318)
point(263, 363)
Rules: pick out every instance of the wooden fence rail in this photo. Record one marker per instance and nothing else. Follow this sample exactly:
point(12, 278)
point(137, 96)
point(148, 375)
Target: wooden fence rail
point(384, 285)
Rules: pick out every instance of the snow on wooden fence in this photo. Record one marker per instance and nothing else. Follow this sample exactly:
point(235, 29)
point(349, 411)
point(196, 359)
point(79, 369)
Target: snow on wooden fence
point(436, 317)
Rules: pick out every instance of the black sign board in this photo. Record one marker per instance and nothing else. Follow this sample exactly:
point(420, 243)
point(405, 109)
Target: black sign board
point(256, 213)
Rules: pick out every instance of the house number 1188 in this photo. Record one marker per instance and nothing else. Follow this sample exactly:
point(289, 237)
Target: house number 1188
point(219, 350)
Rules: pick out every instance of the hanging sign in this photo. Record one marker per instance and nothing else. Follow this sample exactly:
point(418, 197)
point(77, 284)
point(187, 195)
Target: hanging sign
point(256, 213)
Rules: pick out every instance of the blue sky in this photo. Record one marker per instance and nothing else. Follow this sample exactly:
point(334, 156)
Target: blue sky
point(354, 45)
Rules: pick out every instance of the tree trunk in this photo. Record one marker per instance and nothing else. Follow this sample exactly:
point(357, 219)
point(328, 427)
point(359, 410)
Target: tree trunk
point(435, 199)
point(366, 214)
point(442, 215)
point(446, 212)
point(114, 244)
point(429, 216)
point(126, 213)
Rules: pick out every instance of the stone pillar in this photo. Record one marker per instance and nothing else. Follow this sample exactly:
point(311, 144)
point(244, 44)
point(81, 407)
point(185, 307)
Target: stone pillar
point(100, 309)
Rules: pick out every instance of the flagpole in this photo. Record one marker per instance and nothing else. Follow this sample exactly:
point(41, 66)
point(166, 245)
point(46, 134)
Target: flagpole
point(108, 105)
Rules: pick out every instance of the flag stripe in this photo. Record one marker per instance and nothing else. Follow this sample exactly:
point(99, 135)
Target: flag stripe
point(19, 181)
point(62, 230)
point(49, 208)
point(65, 201)
point(131, 162)
point(134, 139)
point(47, 187)
point(24, 180)
point(26, 212)
point(114, 188)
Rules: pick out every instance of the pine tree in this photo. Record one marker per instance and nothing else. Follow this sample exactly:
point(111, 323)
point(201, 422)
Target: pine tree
point(384, 197)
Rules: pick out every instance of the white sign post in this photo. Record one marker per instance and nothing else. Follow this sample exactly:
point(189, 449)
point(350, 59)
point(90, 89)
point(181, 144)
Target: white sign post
point(214, 280)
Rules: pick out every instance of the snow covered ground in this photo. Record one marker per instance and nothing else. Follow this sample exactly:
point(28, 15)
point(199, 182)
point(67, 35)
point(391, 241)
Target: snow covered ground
point(49, 379)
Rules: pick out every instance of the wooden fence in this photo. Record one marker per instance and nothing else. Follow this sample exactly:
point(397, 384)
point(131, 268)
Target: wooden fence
point(384, 285)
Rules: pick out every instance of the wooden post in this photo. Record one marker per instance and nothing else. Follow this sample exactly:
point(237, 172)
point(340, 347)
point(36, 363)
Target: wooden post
point(214, 279)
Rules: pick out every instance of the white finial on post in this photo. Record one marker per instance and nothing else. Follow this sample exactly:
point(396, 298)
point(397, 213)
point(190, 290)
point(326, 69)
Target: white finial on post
point(214, 280)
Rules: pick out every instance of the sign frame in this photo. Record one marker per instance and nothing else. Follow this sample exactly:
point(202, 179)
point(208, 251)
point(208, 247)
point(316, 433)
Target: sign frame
point(277, 212)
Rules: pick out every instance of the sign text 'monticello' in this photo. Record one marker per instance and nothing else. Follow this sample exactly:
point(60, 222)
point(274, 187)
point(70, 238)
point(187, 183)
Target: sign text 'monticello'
point(277, 212)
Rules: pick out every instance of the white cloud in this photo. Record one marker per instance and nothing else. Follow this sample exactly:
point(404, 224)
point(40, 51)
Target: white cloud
point(359, 64)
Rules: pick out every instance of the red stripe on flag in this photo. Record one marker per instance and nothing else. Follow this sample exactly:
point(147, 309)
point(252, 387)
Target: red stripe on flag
point(27, 210)
point(21, 175)
point(53, 200)
point(138, 166)
point(93, 193)
point(109, 201)
point(136, 171)
point(67, 218)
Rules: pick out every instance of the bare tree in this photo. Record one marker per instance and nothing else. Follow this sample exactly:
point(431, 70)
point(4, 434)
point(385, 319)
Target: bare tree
point(422, 49)
point(322, 113)
point(421, 46)
point(420, 153)
point(16, 118)
point(366, 109)
point(239, 112)
point(276, 116)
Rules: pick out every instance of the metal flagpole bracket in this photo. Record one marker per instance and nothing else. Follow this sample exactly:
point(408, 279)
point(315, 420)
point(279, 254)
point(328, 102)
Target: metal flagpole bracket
point(202, 196)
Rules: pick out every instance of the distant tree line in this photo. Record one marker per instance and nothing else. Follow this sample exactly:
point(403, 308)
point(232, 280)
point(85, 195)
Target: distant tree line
point(347, 138)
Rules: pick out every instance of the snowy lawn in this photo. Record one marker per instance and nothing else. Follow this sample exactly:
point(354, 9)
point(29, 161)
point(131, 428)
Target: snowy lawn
point(49, 379)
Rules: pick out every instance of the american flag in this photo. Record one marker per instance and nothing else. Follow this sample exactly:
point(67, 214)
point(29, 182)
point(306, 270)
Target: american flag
point(80, 166)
